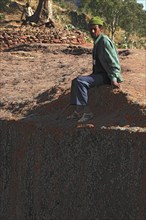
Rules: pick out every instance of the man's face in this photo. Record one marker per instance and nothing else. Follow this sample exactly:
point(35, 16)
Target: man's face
point(95, 31)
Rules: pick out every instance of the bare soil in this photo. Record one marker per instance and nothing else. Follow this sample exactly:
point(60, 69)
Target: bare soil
point(35, 84)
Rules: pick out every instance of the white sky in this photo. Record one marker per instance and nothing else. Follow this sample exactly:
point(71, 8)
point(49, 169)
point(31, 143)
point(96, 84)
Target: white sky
point(142, 2)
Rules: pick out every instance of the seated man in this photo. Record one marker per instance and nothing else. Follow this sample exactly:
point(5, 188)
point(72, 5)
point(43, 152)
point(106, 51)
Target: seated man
point(106, 70)
point(27, 12)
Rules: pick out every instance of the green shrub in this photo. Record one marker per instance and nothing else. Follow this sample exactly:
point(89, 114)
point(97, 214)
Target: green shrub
point(2, 16)
point(4, 4)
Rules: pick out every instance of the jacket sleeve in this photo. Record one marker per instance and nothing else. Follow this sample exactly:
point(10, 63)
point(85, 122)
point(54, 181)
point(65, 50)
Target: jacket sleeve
point(110, 61)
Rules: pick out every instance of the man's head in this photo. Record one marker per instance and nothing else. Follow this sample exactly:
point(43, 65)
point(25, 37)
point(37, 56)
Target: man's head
point(95, 26)
point(27, 5)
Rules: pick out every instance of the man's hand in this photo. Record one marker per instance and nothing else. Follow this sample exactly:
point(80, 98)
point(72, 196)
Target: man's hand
point(116, 85)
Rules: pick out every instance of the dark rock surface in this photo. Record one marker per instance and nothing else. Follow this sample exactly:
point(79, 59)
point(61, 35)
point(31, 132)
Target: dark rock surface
point(79, 174)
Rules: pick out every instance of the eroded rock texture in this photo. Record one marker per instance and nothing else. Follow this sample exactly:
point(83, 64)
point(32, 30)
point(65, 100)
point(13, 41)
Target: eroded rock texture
point(83, 174)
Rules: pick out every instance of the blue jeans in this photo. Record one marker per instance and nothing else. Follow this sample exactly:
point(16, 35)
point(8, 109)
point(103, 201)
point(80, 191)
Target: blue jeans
point(81, 85)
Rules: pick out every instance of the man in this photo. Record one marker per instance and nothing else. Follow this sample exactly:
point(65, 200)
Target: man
point(28, 12)
point(106, 70)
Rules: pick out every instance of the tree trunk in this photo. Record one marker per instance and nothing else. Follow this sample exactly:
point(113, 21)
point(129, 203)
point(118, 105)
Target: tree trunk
point(43, 11)
point(48, 7)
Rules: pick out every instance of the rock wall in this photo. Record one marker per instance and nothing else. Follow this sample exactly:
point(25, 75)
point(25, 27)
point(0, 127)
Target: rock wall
point(83, 174)
point(14, 38)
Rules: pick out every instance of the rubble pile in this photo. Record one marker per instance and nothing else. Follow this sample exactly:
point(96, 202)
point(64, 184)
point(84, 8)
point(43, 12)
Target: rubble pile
point(12, 38)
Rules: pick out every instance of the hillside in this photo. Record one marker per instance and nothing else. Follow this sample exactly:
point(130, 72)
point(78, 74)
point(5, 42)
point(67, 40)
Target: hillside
point(52, 168)
point(21, 71)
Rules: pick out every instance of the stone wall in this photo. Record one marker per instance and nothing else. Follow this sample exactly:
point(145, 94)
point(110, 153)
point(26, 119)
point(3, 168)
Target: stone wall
point(12, 38)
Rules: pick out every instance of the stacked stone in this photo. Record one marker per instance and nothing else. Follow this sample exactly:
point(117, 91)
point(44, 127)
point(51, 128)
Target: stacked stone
point(12, 38)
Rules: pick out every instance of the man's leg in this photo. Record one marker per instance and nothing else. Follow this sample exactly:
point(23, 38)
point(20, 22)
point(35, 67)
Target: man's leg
point(79, 95)
point(80, 87)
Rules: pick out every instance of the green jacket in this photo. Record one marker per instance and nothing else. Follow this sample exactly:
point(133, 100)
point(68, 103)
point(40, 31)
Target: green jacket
point(105, 59)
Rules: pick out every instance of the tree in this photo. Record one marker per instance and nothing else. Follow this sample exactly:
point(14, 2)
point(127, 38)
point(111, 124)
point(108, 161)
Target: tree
point(127, 14)
point(134, 21)
point(48, 8)
point(43, 11)
point(86, 5)
point(110, 10)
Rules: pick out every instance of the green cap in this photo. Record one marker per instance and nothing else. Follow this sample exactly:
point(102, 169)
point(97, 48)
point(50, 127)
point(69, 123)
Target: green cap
point(96, 21)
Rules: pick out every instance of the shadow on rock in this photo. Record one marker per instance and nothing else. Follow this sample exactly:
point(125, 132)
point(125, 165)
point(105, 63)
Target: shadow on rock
point(110, 108)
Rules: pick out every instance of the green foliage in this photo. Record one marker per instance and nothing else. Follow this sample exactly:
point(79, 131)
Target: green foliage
point(134, 21)
point(66, 4)
point(69, 27)
point(127, 14)
point(4, 5)
point(2, 16)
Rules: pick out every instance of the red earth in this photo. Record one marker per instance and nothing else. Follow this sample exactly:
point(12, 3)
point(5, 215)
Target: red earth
point(35, 83)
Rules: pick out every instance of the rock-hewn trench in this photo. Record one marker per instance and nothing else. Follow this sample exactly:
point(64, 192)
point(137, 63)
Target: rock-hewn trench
point(53, 170)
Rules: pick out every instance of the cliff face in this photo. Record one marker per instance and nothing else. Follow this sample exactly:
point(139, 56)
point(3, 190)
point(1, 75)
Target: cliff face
point(83, 174)
point(55, 169)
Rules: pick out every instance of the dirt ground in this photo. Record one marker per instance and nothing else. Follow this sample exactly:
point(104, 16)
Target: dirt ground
point(36, 79)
